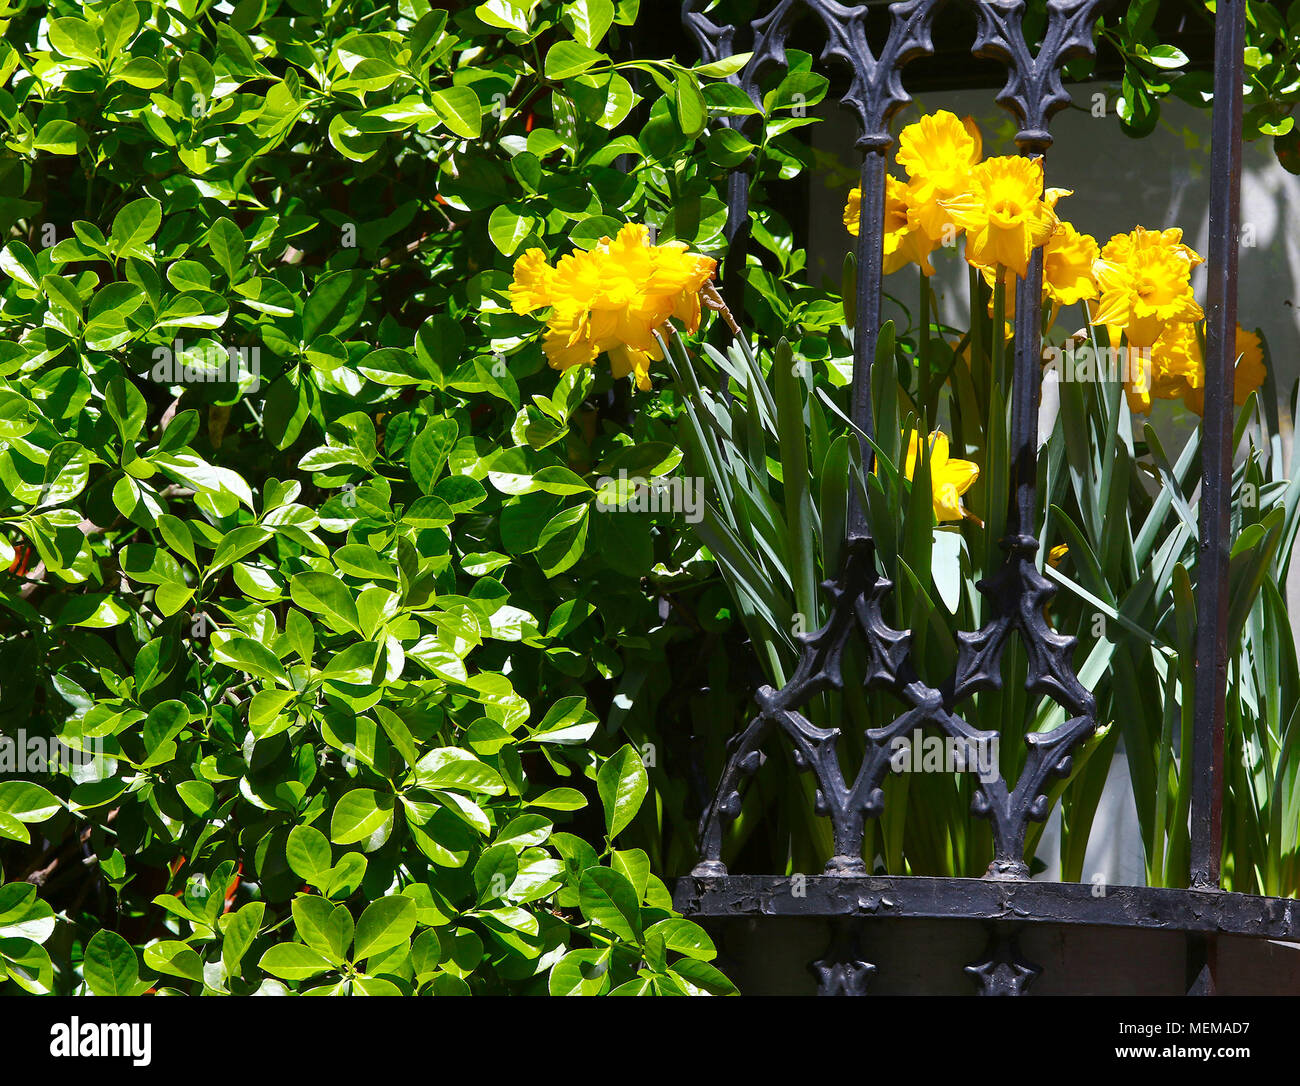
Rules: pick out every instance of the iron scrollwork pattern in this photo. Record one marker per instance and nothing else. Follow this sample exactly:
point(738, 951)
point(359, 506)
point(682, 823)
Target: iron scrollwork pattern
point(1033, 92)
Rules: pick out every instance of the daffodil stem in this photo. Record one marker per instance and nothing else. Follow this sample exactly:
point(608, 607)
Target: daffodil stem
point(925, 377)
point(976, 331)
point(997, 344)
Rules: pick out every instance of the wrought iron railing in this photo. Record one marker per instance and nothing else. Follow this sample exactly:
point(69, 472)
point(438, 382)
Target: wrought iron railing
point(1033, 93)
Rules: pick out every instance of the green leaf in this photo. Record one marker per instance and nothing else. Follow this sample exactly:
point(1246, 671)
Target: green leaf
point(323, 926)
point(334, 305)
point(134, 226)
point(362, 816)
point(385, 924)
point(702, 977)
point(60, 138)
point(318, 593)
point(308, 852)
point(121, 21)
point(74, 38)
point(622, 784)
point(429, 451)
point(24, 802)
point(589, 20)
point(692, 110)
point(451, 767)
point(607, 899)
point(568, 58)
point(228, 246)
point(511, 224)
point(460, 110)
point(110, 967)
point(18, 262)
point(293, 961)
point(176, 958)
point(684, 937)
point(240, 929)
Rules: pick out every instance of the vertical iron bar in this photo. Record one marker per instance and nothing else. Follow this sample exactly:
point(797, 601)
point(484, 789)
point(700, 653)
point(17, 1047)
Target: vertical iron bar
point(737, 233)
point(1216, 455)
point(1025, 388)
point(871, 242)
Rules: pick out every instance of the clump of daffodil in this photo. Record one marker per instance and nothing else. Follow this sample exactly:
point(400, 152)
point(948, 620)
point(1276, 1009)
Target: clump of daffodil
point(938, 152)
point(1144, 280)
point(1005, 213)
point(905, 241)
point(949, 478)
point(611, 299)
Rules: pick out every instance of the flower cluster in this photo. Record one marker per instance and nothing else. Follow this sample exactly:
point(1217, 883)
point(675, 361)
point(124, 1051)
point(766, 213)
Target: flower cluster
point(611, 299)
point(1145, 281)
point(998, 203)
point(1138, 286)
point(1146, 299)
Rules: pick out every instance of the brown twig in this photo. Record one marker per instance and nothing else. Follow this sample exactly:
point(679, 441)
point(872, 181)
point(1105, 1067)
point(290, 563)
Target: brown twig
point(713, 300)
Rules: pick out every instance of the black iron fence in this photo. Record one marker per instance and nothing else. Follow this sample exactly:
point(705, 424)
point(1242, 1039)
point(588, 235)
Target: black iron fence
point(1033, 93)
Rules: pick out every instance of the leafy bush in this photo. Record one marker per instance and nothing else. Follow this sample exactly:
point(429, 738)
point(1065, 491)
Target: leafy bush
point(300, 568)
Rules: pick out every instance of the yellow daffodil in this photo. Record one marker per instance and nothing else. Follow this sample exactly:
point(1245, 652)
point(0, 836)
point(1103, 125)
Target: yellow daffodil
point(905, 242)
point(611, 299)
point(1068, 258)
point(1247, 376)
point(1176, 364)
point(1138, 381)
point(938, 152)
point(949, 478)
point(1167, 370)
point(1121, 246)
point(1250, 371)
point(1057, 554)
point(531, 288)
point(1004, 212)
point(1176, 369)
point(1144, 279)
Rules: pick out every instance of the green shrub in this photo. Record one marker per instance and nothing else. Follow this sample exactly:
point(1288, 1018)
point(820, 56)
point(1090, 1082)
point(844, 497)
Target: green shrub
point(299, 557)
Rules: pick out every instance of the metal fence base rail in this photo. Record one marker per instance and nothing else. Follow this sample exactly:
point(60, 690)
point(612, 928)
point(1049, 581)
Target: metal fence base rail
point(919, 897)
point(1005, 907)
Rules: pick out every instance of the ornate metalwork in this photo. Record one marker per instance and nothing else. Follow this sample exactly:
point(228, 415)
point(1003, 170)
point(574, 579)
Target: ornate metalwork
point(1002, 971)
point(1033, 93)
point(876, 91)
point(843, 972)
